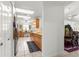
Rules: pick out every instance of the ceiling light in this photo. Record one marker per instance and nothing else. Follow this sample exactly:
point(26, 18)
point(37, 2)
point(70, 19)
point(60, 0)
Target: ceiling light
point(69, 18)
point(21, 16)
point(24, 11)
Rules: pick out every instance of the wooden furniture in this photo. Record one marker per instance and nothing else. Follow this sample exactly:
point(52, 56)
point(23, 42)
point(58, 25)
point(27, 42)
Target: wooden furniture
point(37, 22)
point(20, 34)
point(37, 39)
point(72, 40)
point(68, 30)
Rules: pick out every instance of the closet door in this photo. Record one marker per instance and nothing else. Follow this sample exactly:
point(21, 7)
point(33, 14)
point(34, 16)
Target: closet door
point(6, 29)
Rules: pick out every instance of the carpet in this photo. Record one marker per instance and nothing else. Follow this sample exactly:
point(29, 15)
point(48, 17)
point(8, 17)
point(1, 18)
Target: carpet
point(33, 47)
point(71, 49)
point(68, 47)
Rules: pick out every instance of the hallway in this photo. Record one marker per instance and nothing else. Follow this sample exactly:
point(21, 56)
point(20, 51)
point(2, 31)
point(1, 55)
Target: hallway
point(44, 21)
point(28, 26)
point(23, 50)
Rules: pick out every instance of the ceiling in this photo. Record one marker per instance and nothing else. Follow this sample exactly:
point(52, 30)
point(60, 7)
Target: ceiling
point(35, 6)
point(57, 3)
point(73, 10)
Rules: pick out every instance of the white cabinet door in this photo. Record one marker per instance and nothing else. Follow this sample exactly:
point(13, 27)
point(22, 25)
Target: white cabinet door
point(6, 36)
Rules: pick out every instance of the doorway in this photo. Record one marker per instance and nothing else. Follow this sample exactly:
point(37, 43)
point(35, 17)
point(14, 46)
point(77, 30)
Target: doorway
point(71, 29)
point(28, 29)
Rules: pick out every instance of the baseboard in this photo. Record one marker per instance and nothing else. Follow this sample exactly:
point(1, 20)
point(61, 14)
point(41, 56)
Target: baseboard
point(54, 54)
point(61, 54)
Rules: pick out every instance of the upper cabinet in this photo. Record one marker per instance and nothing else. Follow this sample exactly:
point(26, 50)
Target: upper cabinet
point(37, 22)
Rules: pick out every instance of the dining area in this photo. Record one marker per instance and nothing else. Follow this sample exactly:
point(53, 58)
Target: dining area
point(71, 39)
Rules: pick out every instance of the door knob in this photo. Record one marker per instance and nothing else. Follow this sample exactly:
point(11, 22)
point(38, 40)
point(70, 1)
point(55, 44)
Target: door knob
point(8, 39)
point(1, 44)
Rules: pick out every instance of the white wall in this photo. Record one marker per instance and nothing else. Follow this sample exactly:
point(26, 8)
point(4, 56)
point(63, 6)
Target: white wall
point(53, 30)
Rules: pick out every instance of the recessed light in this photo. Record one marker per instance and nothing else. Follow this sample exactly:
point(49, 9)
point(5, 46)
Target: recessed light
point(24, 11)
point(21, 16)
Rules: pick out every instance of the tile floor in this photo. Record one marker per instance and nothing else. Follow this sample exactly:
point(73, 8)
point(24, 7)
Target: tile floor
point(72, 54)
point(23, 50)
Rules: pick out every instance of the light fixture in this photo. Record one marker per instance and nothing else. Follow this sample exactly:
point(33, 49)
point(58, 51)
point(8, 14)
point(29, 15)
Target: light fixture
point(21, 16)
point(24, 11)
point(69, 17)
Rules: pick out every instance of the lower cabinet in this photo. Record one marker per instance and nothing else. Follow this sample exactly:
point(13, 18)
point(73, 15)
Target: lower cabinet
point(37, 39)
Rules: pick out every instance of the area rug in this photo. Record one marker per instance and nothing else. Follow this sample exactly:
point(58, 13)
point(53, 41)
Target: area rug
point(71, 49)
point(33, 47)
